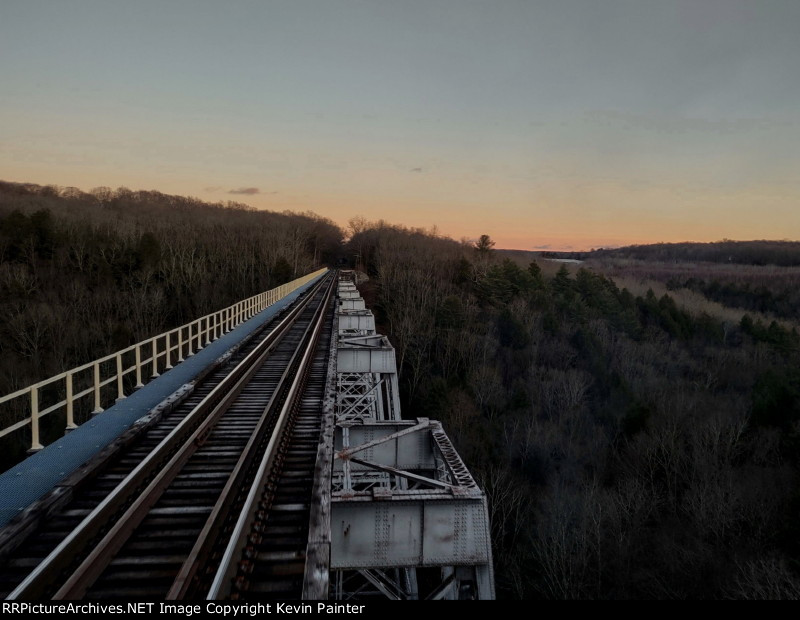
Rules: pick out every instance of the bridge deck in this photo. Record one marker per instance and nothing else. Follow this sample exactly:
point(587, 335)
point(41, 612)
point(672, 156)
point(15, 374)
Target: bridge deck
point(29, 480)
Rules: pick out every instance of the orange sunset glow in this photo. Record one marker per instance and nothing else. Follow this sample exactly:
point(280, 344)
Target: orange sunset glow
point(545, 127)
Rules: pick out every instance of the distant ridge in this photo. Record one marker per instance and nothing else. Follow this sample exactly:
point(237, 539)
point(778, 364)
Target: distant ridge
point(759, 252)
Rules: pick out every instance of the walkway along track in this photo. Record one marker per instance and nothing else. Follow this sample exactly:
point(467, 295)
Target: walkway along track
point(160, 531)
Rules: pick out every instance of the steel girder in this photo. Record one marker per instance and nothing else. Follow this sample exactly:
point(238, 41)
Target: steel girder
point(406, 518)
point(403, 499)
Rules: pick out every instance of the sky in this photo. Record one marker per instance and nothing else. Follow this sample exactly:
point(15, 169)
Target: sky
point(559, 124)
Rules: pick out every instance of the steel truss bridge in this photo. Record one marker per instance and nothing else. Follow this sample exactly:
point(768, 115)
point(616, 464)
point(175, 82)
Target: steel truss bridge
point(257, 453)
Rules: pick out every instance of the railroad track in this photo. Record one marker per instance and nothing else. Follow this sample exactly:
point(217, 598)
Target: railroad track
point(264, 558)
point(175, 515)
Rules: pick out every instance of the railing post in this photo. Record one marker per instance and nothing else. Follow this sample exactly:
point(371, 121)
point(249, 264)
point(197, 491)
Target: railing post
point(155, 359)
point(180, 344)
point(120, 389)
point(208, 330)
point(139, 367)
point(97, 406)
point(35, 445)
point(70, 404)
point(169, 364)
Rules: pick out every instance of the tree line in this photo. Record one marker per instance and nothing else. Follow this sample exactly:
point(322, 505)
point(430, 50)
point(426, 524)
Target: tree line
point(777, 300)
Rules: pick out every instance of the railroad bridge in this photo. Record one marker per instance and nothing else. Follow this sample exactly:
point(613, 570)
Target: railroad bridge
point(256, 453)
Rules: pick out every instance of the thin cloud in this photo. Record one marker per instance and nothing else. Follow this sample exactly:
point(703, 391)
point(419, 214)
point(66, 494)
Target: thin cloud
point(547, 246)
point(213, 189)
point(416, 170)
point(249, 191)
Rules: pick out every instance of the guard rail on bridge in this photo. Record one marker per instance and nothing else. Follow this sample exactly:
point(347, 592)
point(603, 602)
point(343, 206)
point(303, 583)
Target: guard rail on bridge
point(133, 366)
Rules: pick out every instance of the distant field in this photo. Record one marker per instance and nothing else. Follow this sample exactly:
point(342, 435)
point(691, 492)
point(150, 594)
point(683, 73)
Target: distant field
point(724, 290)
point(662, 271)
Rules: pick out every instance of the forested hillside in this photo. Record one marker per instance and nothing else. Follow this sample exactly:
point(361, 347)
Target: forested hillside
point(85, 274)
point(629, 447)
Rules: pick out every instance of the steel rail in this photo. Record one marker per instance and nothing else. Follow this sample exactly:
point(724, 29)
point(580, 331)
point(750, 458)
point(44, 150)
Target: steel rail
point(193, 425)
point(225, 503)
point(220, 587)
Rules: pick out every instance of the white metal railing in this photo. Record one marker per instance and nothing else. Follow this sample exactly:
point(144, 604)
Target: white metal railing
point(143, 361)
